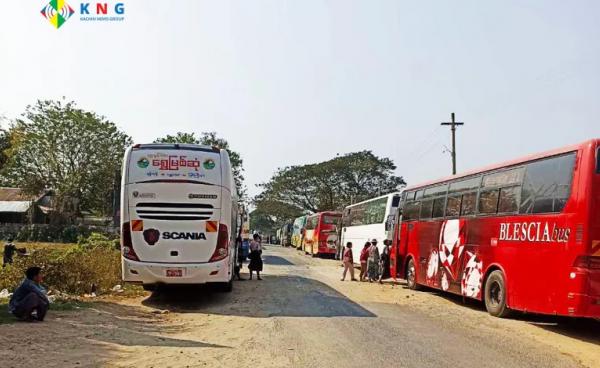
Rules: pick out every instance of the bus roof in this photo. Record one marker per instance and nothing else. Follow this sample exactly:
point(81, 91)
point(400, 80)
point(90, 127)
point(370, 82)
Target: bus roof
point(373, 199)
point(509, 163)
point(184, 146)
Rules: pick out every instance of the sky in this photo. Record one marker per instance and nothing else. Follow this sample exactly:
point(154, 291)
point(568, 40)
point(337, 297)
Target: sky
point(296, 82)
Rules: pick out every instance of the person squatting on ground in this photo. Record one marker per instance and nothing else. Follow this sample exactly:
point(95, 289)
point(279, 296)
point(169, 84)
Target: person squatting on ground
point(364, 256)
point(373, 262)
point(29, 302)
point(256, 263)
point(348, 262)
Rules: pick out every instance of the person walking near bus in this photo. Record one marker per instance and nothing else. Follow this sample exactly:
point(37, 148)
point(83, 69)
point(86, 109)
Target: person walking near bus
point(364, 256)
point(373, 262)
point(256, 263)
point(384, 264)
point(348, 260)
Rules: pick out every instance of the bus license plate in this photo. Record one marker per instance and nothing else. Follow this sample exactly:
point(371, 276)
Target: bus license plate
point(178, 272)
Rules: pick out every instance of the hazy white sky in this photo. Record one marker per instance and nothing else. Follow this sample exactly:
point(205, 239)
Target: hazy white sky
point(292, 82)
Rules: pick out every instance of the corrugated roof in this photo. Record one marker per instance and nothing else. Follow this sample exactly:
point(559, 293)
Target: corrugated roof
point(15, 206)
point(15, 194)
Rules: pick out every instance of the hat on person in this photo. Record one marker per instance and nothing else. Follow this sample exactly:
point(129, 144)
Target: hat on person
point(373, 240)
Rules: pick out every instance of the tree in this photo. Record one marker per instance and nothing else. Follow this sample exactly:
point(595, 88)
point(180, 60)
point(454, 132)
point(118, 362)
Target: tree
point(76, 153)
point(211, 139)
point(327, 186)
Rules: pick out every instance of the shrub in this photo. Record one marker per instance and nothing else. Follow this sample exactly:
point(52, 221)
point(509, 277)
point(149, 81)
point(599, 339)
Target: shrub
point(93, 262)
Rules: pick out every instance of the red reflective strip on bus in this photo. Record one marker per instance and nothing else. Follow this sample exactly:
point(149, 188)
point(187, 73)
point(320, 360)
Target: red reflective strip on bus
point(212, 226)
point(137, 225)
point(596, 248)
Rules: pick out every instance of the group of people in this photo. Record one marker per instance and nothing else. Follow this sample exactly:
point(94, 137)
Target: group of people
point(374, 266)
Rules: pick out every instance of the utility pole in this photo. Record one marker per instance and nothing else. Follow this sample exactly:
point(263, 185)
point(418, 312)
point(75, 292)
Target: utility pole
point(453, 125)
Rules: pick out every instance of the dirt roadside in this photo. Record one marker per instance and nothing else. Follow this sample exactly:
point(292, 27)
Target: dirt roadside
point(301, 315)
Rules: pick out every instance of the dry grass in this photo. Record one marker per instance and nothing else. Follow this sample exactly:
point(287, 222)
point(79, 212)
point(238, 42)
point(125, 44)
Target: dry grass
point(69, 268)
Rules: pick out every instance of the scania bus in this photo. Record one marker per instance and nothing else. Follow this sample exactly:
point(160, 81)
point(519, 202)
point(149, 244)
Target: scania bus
point(179, 215)
point(521, 235)
point(370, 219)
point(321, 234)
point(298, 232)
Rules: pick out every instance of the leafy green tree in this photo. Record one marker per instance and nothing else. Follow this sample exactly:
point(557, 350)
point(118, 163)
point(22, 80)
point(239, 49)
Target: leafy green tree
point(328, 185)
point(74, 152)
point(211, 139)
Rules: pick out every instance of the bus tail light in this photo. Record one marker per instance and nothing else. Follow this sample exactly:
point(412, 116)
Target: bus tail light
point(127, 244)
point(222, 249)
point(589, 262)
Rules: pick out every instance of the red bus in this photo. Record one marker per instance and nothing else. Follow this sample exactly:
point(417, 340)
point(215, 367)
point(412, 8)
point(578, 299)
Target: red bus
point(321, 233)
point(522, 235)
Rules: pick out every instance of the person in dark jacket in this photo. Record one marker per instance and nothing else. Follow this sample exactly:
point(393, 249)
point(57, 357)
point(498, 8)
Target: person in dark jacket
point(384, 264)
point(29, 302)
point(239, 262)
point(9, 251)
point(256, 263)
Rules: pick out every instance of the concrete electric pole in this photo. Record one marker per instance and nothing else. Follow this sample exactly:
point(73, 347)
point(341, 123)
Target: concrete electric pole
point(453, 125)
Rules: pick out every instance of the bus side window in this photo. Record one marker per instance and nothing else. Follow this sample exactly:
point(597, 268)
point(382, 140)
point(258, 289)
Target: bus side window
point(453, 206)
point(469, 204)
point(598, 161)
point(426, 209)
point(488, 201)
point(411, 211)
point(438, 207)
point(547, 184)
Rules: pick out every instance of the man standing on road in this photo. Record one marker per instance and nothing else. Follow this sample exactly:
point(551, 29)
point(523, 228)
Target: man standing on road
point(29, 301)
point(348, 262)
point(9, 251)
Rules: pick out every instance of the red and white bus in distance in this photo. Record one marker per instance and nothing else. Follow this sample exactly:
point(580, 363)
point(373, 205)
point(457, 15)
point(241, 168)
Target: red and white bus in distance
point(321, 233)
point(522, 235)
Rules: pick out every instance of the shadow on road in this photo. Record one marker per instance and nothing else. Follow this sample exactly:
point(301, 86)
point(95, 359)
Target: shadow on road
point(280, 296)
point(276, 261)
point(584, 329)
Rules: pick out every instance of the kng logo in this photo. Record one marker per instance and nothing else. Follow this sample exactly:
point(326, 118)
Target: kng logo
point(57, 12)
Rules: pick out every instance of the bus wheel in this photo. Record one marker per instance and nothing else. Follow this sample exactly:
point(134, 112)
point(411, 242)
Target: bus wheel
point(411, 275)
point(495, 295)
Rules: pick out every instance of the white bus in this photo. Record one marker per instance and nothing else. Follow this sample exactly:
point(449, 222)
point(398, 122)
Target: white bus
point(178, 215)
point(370, 219)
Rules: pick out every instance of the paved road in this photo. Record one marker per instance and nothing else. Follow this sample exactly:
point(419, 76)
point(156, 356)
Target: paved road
point(304, 316)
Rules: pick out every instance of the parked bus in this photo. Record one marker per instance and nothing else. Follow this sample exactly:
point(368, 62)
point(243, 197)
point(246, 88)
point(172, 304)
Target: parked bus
point(286, 234)
point(298, 232)
point(179, 215)
point(321, 234)
point(522, 235)
point(370, 219)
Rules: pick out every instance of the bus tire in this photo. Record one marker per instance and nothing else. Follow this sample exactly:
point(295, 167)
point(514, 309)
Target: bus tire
point(495, 295)
point(411, 275)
